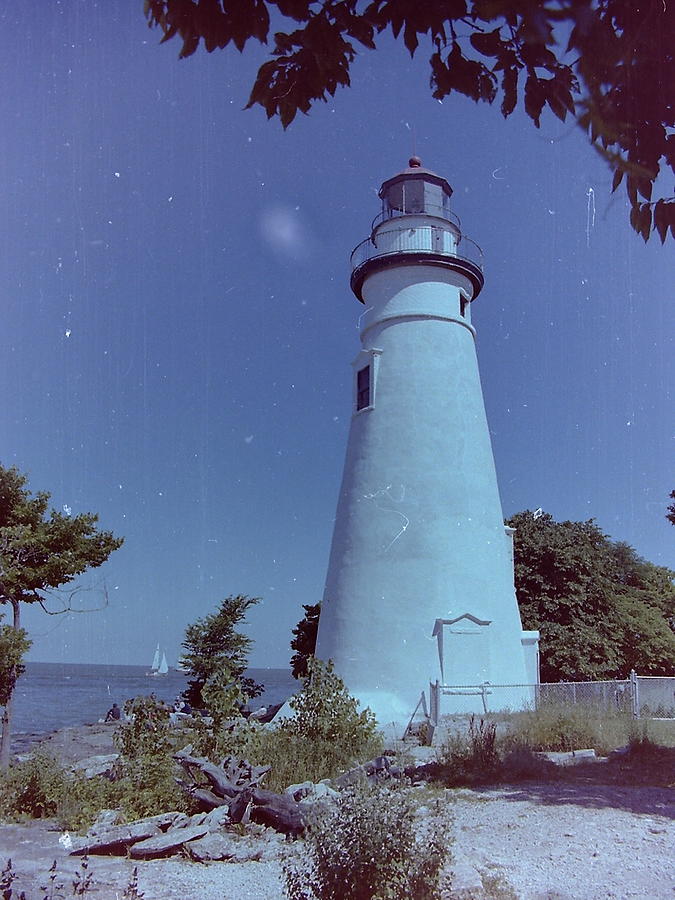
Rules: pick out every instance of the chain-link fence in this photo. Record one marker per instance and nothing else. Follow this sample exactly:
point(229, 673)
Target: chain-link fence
point(640, 696)
point(654, 697)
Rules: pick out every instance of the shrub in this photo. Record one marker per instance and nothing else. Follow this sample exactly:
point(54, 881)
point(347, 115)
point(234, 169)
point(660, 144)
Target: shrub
point(41, 788)
point(326, 733)
point(146, 769)
point(33, 789)
point(369, 846)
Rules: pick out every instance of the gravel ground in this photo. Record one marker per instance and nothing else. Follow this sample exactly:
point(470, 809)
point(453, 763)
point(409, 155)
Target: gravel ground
point(572, 839)
point(554, 841)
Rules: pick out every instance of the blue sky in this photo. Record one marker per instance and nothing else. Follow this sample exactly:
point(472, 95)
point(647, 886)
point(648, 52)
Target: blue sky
point(178, 324)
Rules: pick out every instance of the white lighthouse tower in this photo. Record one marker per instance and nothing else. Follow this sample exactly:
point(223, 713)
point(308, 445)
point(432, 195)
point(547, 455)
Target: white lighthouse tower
point(420, 578)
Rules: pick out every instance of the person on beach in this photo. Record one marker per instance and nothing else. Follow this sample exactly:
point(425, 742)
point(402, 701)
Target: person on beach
point(114, 714)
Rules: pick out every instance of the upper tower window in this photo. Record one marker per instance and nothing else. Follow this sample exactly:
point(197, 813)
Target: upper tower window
point(363, 388)
point(415, 191)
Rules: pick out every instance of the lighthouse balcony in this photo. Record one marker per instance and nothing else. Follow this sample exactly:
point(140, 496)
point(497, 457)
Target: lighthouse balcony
point(418, 242)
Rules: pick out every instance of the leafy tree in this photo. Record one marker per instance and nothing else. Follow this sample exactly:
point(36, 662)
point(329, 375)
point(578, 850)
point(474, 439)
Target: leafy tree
point(304, 642)
point(14, 644)
point(600, 608)
point(39, 552)
point(217, 655)
point(609, 63)
point(670, 514)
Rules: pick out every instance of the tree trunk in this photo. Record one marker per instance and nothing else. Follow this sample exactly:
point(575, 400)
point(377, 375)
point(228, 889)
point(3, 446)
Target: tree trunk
point(6, 738)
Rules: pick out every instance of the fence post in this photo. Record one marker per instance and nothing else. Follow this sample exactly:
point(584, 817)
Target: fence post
point(635, 694)
point(434, 702)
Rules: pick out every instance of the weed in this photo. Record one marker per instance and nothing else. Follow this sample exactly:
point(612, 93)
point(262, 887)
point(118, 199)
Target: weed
point(562, 728)
point(82, 879)
point(131, 891)
point(52, 889)
point(7, 878)
point(496, 887)
point(369, 847)
point(325, 735)
point(473, 758)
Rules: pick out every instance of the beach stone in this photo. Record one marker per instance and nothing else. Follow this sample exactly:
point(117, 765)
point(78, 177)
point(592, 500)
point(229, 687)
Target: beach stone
point(166, 844)
point(117, 839)
point(319, 793)
point(298, 791)
point(217, 818)
point(104, 820)
point(164, 820)
point(91, 766)
point(224, 846)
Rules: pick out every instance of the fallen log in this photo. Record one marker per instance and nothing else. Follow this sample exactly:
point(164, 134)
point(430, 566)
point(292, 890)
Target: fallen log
point(226, 780)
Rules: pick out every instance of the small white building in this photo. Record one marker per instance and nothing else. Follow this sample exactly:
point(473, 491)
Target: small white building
point(420, 578)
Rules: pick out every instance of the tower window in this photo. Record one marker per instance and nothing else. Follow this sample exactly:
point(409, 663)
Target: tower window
point(363, 388)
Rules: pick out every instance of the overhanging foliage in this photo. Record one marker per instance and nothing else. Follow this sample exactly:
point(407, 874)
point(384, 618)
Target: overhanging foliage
point(609, 63)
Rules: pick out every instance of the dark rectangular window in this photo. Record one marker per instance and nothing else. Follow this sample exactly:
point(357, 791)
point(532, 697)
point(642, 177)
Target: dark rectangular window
point(363, 388)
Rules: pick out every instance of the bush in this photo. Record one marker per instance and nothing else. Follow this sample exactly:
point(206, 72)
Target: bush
point(370, 846)
point(40, 788)
point(325, 735)
point(33, 789)
point(146, 769)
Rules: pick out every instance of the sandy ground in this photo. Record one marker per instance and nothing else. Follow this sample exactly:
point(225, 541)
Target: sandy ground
point(568, 840)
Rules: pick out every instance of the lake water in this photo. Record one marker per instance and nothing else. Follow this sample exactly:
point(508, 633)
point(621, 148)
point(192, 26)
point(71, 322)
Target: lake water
point(52, 695)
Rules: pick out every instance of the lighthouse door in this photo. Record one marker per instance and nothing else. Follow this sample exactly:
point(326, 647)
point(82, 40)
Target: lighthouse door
point(464, 650)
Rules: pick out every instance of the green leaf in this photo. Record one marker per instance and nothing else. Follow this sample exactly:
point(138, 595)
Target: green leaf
point(489, 44)
point(535, 97)
point(616, 181)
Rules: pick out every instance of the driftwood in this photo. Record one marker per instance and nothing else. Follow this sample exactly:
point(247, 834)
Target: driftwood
point(236, 783)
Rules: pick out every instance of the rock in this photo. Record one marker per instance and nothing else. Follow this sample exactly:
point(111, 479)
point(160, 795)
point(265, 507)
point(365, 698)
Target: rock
point(308, 792)
point(225, 846)
point(104, 820)
point(164, 820)
point(217, 818)
point(116, 840)
point(92, 766)
point(191, 821)
point(570, 758)
point(166, 844)
point(298, 791)
point(320, 793)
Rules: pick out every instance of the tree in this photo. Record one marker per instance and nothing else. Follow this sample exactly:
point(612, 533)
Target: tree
point(670, 514)
point(304, 642)
point(600, 608)
point(609, 63)
point(217, 655)
point(39, 552)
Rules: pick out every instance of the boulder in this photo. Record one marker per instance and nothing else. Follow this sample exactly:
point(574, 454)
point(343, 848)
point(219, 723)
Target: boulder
point(116, 840)
point(166, 844)
point(307, 792)
point(224, 846)
point(217, 818)
point(319, 793)
point(95, 765)
point(104, 820)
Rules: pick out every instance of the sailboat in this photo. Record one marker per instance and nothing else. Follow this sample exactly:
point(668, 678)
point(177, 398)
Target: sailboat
point(159, 667)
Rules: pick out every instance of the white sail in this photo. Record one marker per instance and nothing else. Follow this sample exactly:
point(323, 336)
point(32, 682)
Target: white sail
point(155, 660)
point(163, 666)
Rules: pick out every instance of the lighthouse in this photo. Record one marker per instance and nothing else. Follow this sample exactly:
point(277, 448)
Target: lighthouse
point(420, 585)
